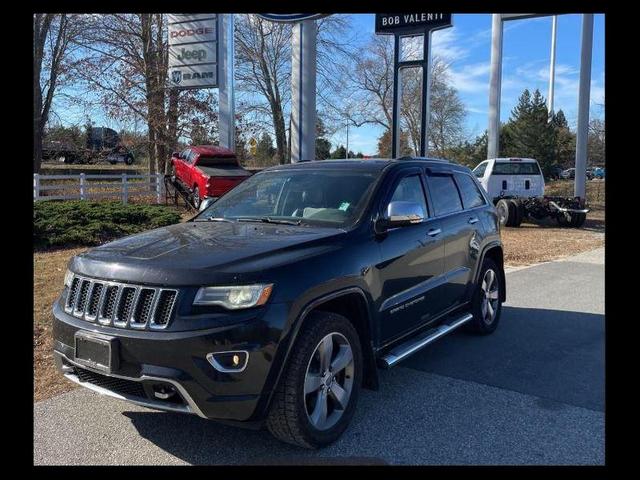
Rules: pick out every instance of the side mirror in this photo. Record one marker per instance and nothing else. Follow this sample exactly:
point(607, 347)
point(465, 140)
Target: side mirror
point(401, 214)
point(176, 154)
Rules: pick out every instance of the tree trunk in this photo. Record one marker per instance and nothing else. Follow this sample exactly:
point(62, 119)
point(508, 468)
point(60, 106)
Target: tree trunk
point(281, 134)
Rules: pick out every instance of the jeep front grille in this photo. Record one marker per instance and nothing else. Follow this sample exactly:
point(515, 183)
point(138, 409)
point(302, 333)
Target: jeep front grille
point(120, 304)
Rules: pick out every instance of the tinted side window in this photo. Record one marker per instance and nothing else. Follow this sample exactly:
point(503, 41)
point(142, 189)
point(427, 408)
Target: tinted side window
point(471, 195)
point(444, 194)
point(409, 189)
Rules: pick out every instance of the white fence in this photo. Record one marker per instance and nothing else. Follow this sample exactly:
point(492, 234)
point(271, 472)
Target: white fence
point(89, 187)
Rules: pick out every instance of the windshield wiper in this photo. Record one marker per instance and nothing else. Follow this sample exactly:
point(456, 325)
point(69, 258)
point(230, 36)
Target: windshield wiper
point(268, 219)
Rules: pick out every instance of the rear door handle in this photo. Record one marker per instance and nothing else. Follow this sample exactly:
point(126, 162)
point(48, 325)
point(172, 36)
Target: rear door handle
point(434, 231)
point(473, 220)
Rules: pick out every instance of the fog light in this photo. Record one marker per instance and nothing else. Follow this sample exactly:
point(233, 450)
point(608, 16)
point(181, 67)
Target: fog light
point(228, 362)
point(164, 392)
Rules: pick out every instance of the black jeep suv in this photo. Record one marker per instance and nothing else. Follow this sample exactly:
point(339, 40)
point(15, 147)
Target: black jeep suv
point(279, 301)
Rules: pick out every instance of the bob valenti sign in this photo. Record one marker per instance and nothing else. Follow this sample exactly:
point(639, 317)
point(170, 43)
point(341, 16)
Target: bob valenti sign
point(390, 23)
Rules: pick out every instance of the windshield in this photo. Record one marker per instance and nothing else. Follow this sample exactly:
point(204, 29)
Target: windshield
point(516, 168)
point(316, 197)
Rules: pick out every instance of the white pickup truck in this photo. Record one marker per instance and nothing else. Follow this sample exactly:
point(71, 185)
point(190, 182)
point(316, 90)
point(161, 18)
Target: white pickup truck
point(516, 186)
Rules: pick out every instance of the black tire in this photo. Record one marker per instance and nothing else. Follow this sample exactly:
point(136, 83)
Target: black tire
point(577, 219)
point(128, 160)
point(480, 324)
point(196, 197)
point(518, 213)
point(288, 419)
point(505, 212)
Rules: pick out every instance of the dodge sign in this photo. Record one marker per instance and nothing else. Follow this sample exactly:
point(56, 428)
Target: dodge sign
point(193, 51)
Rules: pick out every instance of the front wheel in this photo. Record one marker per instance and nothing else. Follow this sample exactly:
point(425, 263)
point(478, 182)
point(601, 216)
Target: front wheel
point(486, 305)
point(317, 394)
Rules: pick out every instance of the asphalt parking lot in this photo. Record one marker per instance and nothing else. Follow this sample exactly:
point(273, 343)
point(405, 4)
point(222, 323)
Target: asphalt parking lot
point(531, 393)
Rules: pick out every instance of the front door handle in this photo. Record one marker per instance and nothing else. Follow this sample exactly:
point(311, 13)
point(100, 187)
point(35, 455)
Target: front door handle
point(473, 220)
point(434, 231)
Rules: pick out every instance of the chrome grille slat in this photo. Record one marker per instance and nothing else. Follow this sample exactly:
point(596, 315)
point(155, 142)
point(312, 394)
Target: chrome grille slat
point(121, 304)
point(97, 294)
point(142, 310)
point(164, 308)
point(81, 299)
point(72, 296)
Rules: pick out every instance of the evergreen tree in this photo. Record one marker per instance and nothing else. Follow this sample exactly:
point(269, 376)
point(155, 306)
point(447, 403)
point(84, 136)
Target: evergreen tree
point(339, 152)
point(265, 150)
point(565, 148)
point(323, 146)
point(529, 133)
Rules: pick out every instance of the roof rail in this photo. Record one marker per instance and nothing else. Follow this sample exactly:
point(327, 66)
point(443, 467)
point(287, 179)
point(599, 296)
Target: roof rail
point(408, 157)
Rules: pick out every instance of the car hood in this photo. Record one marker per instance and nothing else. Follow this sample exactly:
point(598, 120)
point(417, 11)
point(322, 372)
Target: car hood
point(196, 253)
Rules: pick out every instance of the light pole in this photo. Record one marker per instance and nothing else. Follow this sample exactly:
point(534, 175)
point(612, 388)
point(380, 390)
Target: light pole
point(346, 153)
point(552, 66)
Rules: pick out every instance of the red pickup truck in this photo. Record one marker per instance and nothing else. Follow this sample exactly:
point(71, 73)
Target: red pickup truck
point(206, 171)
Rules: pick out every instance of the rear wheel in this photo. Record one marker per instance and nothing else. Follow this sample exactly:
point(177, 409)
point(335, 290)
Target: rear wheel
point(518, 213)
point(128, 160)
point(486, 304)
point(506, 212)
point(317, 394)
point(196, 197)
point(502, 207)
point(574, 220)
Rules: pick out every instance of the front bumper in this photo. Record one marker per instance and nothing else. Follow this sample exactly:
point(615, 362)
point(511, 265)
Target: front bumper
point(148, 359)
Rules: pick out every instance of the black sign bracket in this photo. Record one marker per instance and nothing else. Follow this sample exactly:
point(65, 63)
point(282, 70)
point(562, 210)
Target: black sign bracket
point(406, 25)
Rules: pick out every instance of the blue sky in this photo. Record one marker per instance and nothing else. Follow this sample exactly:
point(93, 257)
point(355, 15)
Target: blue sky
point(526, 55)
point(466, 46)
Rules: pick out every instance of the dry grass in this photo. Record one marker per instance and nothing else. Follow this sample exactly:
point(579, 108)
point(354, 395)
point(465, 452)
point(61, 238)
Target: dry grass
point(48, 276)
point(545, 241)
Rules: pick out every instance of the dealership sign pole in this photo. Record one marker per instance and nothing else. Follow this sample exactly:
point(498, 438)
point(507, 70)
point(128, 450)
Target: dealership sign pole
point(404, 25)
point(303, 81)
point(586, 50)
point(201, 56)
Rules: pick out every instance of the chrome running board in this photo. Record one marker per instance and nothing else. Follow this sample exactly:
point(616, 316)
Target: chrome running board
point(414, 344)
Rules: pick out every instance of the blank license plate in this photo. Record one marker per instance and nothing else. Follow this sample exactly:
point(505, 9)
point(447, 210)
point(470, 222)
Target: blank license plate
point(95, 350)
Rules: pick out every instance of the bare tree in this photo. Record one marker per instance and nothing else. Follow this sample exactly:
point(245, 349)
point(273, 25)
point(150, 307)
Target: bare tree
point(263, 56)
point(125, 64)
point(51, 36)
point(369, 98)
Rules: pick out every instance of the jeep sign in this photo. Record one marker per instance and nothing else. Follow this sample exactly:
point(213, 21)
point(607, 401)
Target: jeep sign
point(193, 51)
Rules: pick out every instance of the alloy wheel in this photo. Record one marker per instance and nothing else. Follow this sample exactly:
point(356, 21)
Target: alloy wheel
point(329, 381)
point(490, 297)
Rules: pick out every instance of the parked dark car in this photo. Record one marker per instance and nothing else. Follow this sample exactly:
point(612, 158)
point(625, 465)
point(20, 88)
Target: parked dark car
point(555, 172)
point(276, 303)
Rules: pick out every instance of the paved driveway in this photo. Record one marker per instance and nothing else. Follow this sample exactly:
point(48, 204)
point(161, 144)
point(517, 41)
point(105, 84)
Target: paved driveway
point(531, 393)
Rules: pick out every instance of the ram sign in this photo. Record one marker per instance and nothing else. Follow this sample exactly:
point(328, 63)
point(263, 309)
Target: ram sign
point(193, 51)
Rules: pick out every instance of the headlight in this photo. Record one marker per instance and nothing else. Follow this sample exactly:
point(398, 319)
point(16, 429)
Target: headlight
point(68, 277)
point(235, 297)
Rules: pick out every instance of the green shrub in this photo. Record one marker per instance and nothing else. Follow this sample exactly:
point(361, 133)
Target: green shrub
point(82, 223)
